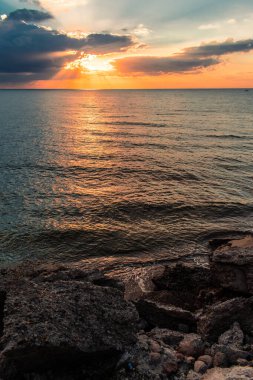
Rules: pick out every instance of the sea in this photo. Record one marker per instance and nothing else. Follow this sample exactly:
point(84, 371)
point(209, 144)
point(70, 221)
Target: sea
point(123, 178)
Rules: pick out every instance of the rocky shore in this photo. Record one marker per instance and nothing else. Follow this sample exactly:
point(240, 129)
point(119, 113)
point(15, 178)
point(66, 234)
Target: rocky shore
point(178, 322)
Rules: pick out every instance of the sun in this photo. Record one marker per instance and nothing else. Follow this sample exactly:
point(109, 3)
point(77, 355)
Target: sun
point(91, 63)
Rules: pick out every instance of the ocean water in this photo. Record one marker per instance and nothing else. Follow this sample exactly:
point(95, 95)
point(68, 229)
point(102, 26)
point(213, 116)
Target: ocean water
point(118, 178)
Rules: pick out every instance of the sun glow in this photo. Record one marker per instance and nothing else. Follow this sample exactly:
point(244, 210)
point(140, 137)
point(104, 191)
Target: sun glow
point(91, 63)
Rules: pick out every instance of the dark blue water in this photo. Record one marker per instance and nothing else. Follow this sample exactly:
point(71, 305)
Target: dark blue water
point(117, 177)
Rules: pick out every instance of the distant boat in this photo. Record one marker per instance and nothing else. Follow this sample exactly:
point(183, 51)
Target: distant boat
point(246, 90)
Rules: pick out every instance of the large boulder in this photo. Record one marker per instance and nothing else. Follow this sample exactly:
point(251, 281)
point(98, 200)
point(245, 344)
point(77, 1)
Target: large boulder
point(60, 321)
point(231, 263)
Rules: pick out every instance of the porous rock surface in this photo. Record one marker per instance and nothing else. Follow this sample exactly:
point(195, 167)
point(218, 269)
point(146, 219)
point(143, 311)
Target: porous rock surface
point(60, 321)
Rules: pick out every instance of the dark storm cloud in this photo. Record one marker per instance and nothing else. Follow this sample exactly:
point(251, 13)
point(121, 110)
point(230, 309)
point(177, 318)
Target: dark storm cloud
point(189, 60)
point(29, 15)
point(29, 52)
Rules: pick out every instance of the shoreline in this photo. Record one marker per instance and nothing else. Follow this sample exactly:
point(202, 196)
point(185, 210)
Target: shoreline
point(178, 322)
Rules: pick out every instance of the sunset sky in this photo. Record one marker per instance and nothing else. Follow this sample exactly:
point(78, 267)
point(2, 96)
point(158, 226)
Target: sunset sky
point(90, 44)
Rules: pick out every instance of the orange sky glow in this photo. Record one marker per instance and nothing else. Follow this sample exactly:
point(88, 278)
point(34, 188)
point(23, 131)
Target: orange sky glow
point(80, 44)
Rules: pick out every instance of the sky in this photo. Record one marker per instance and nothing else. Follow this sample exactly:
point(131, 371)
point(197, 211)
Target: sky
point(107, 44)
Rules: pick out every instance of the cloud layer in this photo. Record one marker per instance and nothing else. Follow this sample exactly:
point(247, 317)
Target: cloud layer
point(30, 52)
point(190, 59)
point(29, 15)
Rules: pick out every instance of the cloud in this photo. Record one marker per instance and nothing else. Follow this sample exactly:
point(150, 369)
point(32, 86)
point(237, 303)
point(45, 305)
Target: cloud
point(231, 21)
point(37, 3)
point(29, 52)
point(209, 26)
point(190, 59)
point(29, 15)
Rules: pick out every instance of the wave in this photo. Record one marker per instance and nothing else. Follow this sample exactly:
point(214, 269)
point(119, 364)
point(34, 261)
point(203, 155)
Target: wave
point(230, 136)
point(130, 123)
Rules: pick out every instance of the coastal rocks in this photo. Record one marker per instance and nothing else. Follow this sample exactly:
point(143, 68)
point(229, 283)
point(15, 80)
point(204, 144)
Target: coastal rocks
point(235, 373)
point(191, 345)
point(162, 315)
point(218, 318)
point(181, 277)
point(64, 324)
point(233, 337)
point(232, 263)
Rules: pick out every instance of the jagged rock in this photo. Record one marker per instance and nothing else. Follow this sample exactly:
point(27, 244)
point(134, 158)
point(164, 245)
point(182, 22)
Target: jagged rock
point(232, 264)
point(233, 337)
point(191, 345)
point(59, 325)
point(216, 319)
point(161, 315)
point(139, 282)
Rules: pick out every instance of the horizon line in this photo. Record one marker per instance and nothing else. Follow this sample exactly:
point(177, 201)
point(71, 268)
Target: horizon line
point(127, 89)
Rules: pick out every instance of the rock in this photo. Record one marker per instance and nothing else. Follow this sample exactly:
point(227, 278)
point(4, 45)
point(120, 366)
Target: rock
point(190, 360)
point(192, 375)
point(233, 337)
point(58, 325)
point(232, 263)
point(184, 277)
point(191, 345)
point(207, 359)
point(180, 357)
point(242, 362)
point(235, 373)
point(218, 318)
point(161, 315)
point(220, 360)
point(169, 337)
point(139, 282)
point(154, 358)
point(232, 354)
point(170, 367)
point(200, 367)
point(154, 346)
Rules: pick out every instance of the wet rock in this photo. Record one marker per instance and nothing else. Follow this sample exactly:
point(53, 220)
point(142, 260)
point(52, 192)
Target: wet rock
point(200, 367)
point(218, 318)
point(233, 337)
point(51, 324)
point(191, 345)
point(161, 315)
point(232, 263)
